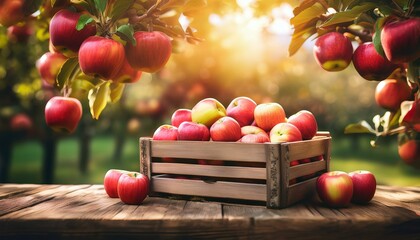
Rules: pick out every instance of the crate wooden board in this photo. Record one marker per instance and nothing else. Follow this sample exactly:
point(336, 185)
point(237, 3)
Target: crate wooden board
point(270, 181)
point(30, 211)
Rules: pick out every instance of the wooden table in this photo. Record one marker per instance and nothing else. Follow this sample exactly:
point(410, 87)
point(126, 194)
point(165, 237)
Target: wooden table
point(85, 212)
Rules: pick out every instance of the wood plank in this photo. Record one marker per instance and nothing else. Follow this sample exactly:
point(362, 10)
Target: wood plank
point(307, 168)
point(218, 189)
point(209, 170)
point(231, 151)
point(302, 190)
point(273, 167)
point(306, 149)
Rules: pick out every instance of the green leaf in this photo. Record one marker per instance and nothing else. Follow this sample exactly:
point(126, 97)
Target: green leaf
point(70, 67)
point(126, 33)
point(301, 34)
point(117, 90)
point(377, 36)
point(361, 127)
point(84, 20)
point(413, 71)
point(98, 98)
point(404, 4)
point(120, 7)
point(314, 11)
point(349, 15)
point(307, 4)
point(53, 2)
point(101, 5)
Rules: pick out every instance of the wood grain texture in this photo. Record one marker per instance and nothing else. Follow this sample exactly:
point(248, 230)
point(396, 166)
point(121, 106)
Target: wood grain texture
point(85, 212)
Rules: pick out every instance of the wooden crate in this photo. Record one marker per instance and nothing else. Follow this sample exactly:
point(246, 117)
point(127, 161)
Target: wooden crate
point(271, 183)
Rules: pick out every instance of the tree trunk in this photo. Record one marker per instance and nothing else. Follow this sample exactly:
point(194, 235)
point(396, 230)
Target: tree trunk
point(50, 149)
point(6, 144)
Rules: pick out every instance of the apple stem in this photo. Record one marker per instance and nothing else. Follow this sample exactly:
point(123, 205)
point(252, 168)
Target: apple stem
point(149, 13)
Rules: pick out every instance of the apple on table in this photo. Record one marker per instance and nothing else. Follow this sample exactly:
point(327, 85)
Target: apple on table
point(133, 187)
point(364, 186)
point(335, 189)
point(111, 179)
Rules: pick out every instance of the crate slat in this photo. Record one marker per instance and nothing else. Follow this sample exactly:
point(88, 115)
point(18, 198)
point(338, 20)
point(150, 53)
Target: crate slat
point(307, 168)
point(306, 149)
point(219, 189)
point(210, 170)
point(209, 150)
point(301, 191)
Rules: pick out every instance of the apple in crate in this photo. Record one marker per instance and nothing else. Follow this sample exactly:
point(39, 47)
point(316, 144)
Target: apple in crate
point(253, 134)
point(207, 111)
point(192, 131)
point(111, 181)
point(180, 116)
point(242, 110)
point(166, 132)
point(285, 132)
point(225, 129)
point(267, 115)
point(335, 188)
point(364, 186)
point(133, 187)
point(306, 123)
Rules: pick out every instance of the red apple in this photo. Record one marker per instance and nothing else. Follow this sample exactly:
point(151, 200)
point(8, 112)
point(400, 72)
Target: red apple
point(410, 114)
point(267, 115)
point(335, 188)
point(370, 65)
point(21, 121)
point(390, 93)
point(133, 188)
point(409, 148)
point(242, 110)
point(111, 181)
point(101, 57)
point(49, 66)
point(253, 134)
point(151, 52)
point(225, 129)
point(207, 111)
point(317, 158)
point(127, 74)
point(333, 51)
point(192, 131)
point(11, 12)
point(166, 132)
point(65, 37)
point(63, 114)
point(306, 123)
point(401, 40)
point(180, 116)
point(20, 33)
point(364, 186)
point(285, 132)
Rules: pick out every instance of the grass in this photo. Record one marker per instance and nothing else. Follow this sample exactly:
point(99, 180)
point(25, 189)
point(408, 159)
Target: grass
point(347, 155)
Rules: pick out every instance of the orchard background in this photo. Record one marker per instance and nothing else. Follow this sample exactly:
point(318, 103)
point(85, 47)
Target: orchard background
point(220, 49)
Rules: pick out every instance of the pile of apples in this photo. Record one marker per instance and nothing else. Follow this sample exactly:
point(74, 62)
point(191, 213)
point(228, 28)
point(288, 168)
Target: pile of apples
point(242, 121)
point(130, 187)
point(338, 189)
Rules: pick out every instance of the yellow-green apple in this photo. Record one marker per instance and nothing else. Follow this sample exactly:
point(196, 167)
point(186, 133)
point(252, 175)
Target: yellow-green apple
point(364, 186)
point(101, 57)
point(133, 188)
point(111, 181)
point(180, 116)
point(267, 115)
point(225, 129)
point(21, 121)
point(166, 132)
point(253, 134)
point(333, 51)
point(63, 114)
point(242, 110)
point(191, 131)
point(151, 52)
point(305, 121)
point(49, 65)
point(335, 188)
point(409, 148)
point(207, 111)
point(285, 132)
point(63, 33)
point(370, 65)
point(20, 33)
point(11, 12)
point(127, 74)
point(390, 93)
point(400, 40)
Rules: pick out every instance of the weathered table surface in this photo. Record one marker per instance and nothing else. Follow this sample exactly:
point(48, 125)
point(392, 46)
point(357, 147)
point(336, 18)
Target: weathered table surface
point(85, 211)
